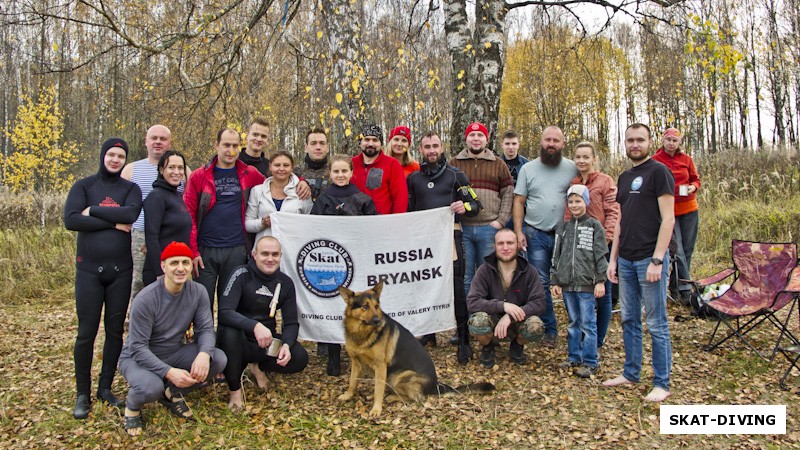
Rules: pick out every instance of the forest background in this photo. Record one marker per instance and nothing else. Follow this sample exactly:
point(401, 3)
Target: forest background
point(76, 72)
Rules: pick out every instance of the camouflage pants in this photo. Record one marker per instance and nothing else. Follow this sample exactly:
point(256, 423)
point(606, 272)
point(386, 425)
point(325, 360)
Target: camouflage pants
point(137, 242)
point(483, 324)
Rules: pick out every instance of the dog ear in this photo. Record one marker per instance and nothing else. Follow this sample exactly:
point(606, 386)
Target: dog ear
point(347, 294)
point(378, 288)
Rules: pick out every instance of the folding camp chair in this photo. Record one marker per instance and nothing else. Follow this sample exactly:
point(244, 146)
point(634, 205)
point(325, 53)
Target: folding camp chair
point(764, 283)
point(792, 352)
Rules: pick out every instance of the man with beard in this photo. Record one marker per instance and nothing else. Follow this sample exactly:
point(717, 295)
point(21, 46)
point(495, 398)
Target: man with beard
point(639, 260)
point(314, 168)
point(506, 300)
point(492, 181)
point(434, 185)
point(540, 198)
point(379, 176)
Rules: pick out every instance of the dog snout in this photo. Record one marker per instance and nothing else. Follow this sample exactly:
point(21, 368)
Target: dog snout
point(375, 320)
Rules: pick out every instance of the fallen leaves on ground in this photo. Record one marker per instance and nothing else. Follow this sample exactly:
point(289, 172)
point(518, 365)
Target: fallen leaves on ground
point(536, 405)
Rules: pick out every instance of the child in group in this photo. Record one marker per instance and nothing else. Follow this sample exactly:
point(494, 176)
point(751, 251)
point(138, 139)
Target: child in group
point(579, 271)
point(340, 198)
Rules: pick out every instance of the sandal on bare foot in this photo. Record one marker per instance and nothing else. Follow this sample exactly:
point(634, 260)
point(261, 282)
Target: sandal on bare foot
point(133, 425)
point(177, 406)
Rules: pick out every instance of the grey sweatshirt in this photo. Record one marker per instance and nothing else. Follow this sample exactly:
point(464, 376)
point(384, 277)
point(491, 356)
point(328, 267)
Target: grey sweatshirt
point(159, 320)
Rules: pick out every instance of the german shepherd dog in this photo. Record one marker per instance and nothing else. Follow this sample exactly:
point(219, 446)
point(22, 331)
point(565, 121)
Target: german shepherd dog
point(378, 343)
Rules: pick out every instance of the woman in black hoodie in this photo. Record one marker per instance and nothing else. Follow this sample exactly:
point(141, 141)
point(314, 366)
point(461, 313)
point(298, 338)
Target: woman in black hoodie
point(166, 218)
point(101, 208)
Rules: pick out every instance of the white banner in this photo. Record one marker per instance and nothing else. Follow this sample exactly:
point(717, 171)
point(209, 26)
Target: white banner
point(411, 252)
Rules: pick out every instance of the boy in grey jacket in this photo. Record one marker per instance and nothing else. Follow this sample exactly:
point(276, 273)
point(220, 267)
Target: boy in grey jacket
point(579, 271)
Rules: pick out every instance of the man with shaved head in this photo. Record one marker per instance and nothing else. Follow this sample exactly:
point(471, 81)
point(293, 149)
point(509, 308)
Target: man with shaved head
point(539, 201)
point(144, 172)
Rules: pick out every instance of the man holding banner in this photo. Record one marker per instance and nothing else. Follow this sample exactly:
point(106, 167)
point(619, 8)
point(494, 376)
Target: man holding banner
point(435, 185)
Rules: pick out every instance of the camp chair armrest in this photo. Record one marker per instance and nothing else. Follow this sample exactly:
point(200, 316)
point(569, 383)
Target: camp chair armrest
point(793, 283)
point(716, 278)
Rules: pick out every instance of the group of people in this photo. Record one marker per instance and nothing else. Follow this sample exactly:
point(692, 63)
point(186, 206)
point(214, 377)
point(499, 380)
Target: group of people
point(147, 229)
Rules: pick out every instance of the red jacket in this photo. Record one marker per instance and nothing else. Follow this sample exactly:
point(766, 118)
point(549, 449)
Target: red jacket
point(603, 204)
point(388, 188)
point(200, 194)
point(684, 171)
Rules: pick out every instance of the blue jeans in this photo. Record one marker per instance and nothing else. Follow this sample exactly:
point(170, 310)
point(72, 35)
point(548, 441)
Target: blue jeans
point(635, 291)
point(540, 255)
point(604, 309)
point(582, 330)
point(478, 244)
point(685, 238)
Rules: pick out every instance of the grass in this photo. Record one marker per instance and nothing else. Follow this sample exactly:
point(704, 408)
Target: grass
point(744, 195)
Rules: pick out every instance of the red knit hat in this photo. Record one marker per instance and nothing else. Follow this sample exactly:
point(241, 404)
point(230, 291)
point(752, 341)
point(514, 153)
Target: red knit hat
point(476, 126)
point(176, 249)
point(401, 131)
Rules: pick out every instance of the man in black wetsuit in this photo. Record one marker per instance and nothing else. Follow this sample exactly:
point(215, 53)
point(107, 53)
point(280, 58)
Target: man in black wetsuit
point(101, 208)
point(247, 322)
point(435, 185)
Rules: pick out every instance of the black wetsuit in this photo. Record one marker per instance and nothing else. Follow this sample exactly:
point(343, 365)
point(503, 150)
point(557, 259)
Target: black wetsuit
point(245, 302)
point(104, 266)
point(166, 220)
point(437, 185)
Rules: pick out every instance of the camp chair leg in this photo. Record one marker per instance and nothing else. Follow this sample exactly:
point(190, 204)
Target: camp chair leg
point(792, 365)
point(738, 331)
point(784, 327)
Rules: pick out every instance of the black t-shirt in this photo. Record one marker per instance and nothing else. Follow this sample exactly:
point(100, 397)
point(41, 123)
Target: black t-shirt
point(638, 192)
point(222, 226)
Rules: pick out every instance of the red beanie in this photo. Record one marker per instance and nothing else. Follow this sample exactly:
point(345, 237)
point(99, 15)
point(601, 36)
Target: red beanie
point(477, 126)
point(176, 249)
point(401, 131)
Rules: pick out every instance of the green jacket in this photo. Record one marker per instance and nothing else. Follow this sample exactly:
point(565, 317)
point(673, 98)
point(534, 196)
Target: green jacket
point(579, 255)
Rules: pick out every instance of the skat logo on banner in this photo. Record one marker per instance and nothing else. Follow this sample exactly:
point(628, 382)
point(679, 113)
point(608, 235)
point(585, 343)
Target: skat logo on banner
point(323, 266)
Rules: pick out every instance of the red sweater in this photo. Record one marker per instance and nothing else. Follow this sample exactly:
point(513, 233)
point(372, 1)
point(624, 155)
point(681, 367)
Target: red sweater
point(387, 183)
point(684, 171)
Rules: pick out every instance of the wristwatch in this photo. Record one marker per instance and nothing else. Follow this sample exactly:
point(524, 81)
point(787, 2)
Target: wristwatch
point(656, 261)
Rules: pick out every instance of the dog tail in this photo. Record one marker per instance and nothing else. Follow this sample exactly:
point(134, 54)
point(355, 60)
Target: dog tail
point(474, 388)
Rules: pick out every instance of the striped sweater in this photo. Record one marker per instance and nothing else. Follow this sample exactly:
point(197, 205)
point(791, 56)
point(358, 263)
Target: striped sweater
point(490, 179)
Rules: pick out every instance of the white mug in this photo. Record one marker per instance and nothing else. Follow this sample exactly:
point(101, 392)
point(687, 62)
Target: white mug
point(683, 190)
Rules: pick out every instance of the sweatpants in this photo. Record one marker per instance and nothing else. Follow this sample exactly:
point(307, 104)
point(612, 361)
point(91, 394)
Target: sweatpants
point(219, 265)
point(145, 386)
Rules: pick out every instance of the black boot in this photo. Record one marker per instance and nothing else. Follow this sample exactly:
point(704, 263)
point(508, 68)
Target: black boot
point(107, 396)
point(428, 339)
point(334, 368)
point(464, 353)
point(454, 338)
point(487, 355)
point(82, 407)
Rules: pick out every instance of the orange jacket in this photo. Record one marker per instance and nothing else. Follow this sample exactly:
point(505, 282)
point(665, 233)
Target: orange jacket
point(603, 204)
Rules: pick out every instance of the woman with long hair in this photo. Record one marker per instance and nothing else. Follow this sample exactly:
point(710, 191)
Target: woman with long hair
point(166, 218)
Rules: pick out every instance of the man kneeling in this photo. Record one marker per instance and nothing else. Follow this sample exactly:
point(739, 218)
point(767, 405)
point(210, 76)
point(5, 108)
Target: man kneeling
point(155, 361)
point(506, 299)
point(247, 320)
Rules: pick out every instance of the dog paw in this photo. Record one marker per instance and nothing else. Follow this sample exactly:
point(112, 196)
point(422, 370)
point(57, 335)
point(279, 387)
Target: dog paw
point(345, 397)
point(375, 412)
